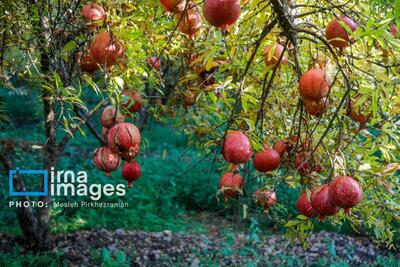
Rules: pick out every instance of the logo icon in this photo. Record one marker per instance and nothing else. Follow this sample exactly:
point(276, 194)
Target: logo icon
point(43, 173)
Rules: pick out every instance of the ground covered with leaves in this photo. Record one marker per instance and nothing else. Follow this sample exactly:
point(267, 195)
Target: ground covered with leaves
point(102, 247)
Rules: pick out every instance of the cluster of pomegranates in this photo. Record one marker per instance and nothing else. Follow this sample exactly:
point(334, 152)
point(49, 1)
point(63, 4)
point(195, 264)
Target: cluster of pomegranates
point(122, 139)
point(221, 14)
point(326, 200)
point(105, 50)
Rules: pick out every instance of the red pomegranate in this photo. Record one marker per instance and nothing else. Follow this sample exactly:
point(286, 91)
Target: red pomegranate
point(124, 138)
point(106, 160)
point(189, 21)
point(93, 12)
point(303, 205)
point(345, 192)
point(105, 49)
point(321, 203)
point(131, 100)
point(131, 172)
point(221, 13)
point(267, 160)
point(314, 84)
point(272, 53)
point(173, 5)
point(394, 30)
point(316, 107)
point(281, 147)
point(305, 164)
point(236, 148)
point(265, 198)
point(231, 183)
point(357, 113)
point(337, 35)
point(110, 116)
point(88, 63)
point(154, 62)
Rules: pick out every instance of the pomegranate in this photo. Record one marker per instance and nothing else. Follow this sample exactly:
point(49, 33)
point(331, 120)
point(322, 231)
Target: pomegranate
point(124, 138)
point(236, 148)
point(173, 5)
point(272, 53)
point(105, 49)
point(281, 147)
point(221, 13)
point(189, 21)
point(267, 160)
point(303, 205)
point(357, 114)
point(345, 192)
point(110, 116)
point(321, 203)
point(314, 84)
point(88, 63)
point(131, 100)
point(337, 35)
point(106, 160)
point(316, 107)
point(93, 12)
point(154, 62)
point(394, 30)
point(231, 183)
point(305, 164)
point(131, 172)
point(265, 198)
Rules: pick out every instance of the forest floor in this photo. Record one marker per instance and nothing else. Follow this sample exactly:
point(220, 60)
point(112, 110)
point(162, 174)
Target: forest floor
point(102, 247)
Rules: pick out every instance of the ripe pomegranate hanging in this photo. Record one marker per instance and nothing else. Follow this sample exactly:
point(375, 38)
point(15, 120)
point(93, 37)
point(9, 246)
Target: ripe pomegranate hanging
point(314, 84)
point(221, 13)
point(231, 183)
point(303, 205)
point(110, 116)
point(337, 35)
point(124, 138)
point(316, 107)
point(105, 49)
point(236, 148)
point(281, 147)
point(189, 21)
point(265, 198)
point(131, 101)
point(131, 171)
point(154, 62)
point(272, 53)
point(173, 5)
point(88, 63)
point(267, 160)
point(106, 160)
point(93, 12)
point(357, 113)
point(321, 203)
point(345, 192)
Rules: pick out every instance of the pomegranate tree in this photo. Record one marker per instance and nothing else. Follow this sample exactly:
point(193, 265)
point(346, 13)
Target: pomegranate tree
point(265, 198)
point(314, 84)
point(221, 13)
point(106, 159)
point(231, 184)
point(305, 164)
point(272, 53)
point(93, 12)
point(110, 116)
point(105, 49)
point(131, 171)
point(236, 148)
point(124, 139)
point(337, 35)
point(345, 192)
point(267, 160)
point(303, 205)
point(321, 202)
